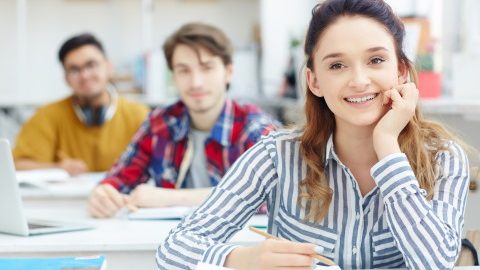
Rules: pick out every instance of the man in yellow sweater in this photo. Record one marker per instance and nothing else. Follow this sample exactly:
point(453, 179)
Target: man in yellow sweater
point(88, 130)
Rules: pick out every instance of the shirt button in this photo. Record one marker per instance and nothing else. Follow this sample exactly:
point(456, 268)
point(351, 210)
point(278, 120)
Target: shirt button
point(357, 217)
point(354, 250)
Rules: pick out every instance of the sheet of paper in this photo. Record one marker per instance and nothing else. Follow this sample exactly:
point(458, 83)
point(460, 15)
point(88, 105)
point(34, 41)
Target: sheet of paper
point(318, 267)
point(178, 212)
point(204, 266)
point(65, 187)
point(42, 177)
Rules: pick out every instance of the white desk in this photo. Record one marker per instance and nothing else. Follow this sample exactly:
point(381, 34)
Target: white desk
point(127, 244)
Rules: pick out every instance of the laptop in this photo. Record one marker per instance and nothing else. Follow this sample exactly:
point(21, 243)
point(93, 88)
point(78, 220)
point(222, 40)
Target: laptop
point(13, 220)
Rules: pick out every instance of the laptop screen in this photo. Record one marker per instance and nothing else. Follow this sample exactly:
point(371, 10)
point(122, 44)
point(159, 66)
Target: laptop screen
point(13, 220)
point(11, 210)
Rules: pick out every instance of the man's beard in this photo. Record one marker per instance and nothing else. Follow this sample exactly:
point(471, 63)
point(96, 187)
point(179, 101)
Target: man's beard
point(89, 100)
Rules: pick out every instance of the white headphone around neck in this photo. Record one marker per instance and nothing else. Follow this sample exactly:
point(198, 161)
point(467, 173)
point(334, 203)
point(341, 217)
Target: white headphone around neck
point(97, 116)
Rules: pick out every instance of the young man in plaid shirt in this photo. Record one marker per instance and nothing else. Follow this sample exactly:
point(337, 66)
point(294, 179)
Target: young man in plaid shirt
point(187, 147)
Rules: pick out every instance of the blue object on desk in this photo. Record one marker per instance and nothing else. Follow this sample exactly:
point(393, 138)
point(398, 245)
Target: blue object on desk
point(259, 226)
point(64, 263)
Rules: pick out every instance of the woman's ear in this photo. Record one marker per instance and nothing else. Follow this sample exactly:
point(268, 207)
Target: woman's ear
point(403, 74)
point(312, 83)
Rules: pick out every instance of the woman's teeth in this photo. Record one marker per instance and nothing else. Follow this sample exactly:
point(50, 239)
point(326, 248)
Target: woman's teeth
point(361, 99)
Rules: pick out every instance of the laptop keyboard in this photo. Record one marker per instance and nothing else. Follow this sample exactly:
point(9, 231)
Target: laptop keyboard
point(38, 226)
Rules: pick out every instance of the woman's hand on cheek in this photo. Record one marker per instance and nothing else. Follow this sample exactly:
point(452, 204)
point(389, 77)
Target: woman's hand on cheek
point(402, 101)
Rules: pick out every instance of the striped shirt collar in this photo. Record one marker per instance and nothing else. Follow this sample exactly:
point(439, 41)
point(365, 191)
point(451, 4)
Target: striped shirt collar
point(179, 123)
point(331, 155)
point(330, 151)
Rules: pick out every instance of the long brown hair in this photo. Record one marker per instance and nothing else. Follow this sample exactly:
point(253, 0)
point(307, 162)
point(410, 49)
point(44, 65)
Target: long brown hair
point(320, 121)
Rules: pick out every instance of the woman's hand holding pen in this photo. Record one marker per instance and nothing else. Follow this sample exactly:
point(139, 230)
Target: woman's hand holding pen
point(402, 101)
point(273, 254)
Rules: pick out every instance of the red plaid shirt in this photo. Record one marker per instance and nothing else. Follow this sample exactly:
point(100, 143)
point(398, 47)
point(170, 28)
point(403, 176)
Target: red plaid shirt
point(158, 147)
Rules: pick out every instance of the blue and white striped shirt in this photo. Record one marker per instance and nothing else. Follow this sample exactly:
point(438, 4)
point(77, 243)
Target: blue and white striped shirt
point(394, 225)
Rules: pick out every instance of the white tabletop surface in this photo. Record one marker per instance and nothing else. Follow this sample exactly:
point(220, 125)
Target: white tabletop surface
point(108, 235)
point(127, 244)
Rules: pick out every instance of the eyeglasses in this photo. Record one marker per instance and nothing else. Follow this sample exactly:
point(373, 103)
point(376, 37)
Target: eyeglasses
point(74, 72)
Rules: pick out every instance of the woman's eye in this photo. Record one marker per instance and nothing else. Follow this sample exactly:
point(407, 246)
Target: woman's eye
point(377, 60)
point(336, 66)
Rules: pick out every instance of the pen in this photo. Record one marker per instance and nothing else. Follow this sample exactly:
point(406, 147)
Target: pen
point(130, 206)
point(316, 256)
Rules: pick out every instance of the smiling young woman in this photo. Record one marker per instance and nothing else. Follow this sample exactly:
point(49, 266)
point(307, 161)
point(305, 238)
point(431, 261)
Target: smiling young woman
point(367, 182)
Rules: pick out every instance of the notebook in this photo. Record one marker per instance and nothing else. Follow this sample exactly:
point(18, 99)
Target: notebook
point(205, 266)
point(64, 263)
point(41, 177)
point(13, 220)
point(164, 213)
point(51, 184)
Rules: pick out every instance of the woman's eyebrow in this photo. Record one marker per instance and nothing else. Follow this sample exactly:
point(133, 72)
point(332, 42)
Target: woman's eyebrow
point(337, 54)
point(375, 49)
point(332, 55)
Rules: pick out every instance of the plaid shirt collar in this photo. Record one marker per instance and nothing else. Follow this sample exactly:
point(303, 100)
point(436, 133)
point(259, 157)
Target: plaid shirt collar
point(178, 123)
